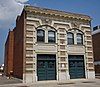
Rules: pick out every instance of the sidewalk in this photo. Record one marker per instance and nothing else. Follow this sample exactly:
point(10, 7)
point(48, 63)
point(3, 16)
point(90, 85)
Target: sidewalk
point(5, 80)
point(67, 83)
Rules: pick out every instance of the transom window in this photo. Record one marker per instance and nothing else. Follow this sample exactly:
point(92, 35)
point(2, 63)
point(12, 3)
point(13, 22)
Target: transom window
point(51, 36)
point(79, 38)
point(70, 38)
point(40, 35)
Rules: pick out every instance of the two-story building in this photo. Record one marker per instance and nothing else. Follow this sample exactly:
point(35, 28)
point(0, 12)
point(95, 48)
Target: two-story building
point(52, 45)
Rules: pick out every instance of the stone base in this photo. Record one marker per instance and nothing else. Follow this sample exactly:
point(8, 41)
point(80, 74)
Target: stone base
point(91, 75)
point(29, 78)
point(64, 76)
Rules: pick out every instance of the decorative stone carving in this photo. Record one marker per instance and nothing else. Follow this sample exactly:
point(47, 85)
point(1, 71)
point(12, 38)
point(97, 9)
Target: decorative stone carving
point(46, 21)
point(75, 25)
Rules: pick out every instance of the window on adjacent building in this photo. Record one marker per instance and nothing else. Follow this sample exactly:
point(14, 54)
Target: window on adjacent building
point(40, 35)
point(79, 38)
point(70, 38)
point(51, 36)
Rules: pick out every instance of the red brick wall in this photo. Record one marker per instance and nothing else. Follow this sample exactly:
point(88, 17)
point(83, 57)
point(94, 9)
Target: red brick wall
point(18, 47)
point(96, 51)
point(8, 60)
point(96, 46)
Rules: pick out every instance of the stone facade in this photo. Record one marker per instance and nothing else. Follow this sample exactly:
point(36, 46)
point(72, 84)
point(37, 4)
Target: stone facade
point(61, 23)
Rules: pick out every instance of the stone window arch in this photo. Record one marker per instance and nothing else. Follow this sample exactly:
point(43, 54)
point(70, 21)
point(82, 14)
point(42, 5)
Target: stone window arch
point(46, 33)
point(75, 36)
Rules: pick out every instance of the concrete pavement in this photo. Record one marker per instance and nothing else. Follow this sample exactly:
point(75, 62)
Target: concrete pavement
point(4, 82)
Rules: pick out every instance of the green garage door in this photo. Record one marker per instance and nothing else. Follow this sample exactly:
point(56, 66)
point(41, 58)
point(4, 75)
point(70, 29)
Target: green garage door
point(76, 66)
point(46, 67)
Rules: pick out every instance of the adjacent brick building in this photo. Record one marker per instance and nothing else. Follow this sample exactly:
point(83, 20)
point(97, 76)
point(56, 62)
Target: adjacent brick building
point(52, 45)
point(8, 61)
point(96, 49)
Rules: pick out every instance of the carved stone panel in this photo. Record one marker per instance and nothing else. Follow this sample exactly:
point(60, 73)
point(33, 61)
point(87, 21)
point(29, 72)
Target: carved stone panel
point(45, 48)
point(76, 49)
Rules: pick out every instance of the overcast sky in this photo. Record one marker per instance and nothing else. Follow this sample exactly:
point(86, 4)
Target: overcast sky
point(9, 9)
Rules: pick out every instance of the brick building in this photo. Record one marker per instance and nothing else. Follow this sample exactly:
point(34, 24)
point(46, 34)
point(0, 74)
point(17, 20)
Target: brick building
point(52, 45)
point(8, 61)
point(96, 49)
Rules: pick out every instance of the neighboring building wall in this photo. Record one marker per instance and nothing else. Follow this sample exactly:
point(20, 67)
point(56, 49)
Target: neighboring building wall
point(8, 60)
point(96, 49)
point(18, 47)
point(96, 44)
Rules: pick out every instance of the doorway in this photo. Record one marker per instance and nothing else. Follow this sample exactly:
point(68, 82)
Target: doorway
point(46, 67)
point(76, 66)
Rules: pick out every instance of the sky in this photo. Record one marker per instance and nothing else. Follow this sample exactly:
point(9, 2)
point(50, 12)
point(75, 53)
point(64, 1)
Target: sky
point(10, 9)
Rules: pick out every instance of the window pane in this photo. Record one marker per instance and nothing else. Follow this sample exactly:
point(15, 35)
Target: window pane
point(79, 38)
point(51, 36)
point(70, 35)
point(40, 35)
point(70, 38)
point(70, 41)
point(51, 33)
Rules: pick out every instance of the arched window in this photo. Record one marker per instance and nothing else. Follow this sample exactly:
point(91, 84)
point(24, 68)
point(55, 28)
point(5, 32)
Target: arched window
point(70, 38)
point(79, 38)
point(40, 35)
point(51, 36)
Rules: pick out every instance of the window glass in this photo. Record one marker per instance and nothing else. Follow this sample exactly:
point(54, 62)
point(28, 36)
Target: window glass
point(41, 64)
point(40, 35)
point(51, 64)
point(79, 38)
point(70, 38)
point(51, 36)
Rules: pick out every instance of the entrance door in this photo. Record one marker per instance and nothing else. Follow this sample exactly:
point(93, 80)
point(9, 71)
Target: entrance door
point(76, 67)
point(46, 67)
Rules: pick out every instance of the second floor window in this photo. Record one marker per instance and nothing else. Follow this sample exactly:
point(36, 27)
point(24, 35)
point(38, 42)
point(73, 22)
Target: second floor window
point(51, 36)
point(40, 35)
point(70, 38)
point(79, 38)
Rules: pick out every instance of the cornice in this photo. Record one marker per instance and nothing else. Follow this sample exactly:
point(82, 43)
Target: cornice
point(55, 13)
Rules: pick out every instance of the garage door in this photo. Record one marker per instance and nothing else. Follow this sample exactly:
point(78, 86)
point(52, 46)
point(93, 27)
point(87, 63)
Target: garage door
point(46, 67)
point(76, 66)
